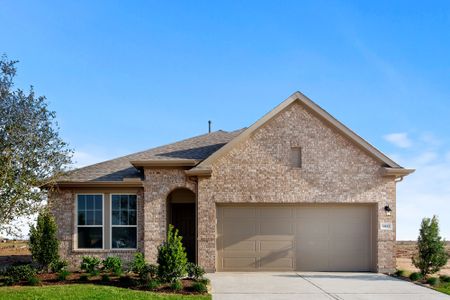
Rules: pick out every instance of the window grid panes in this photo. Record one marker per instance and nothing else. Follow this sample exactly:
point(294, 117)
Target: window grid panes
point(124, 221)
point(90, 221)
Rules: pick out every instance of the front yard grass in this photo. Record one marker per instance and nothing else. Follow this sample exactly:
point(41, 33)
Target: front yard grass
point(444, 288)
point(87, 291)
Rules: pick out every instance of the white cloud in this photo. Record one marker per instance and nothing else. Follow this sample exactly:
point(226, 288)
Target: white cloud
point(423, 194)
point(399, 139)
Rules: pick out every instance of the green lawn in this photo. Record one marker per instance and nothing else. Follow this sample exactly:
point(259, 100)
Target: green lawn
point(86, 291)
point(444, 288)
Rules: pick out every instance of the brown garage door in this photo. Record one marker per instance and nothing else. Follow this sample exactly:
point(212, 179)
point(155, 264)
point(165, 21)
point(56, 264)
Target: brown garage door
point(302, 237)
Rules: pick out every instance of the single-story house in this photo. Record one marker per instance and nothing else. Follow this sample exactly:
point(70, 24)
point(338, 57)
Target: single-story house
point(297, 190)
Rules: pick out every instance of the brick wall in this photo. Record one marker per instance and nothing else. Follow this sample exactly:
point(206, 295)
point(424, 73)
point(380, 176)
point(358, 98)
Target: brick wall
point(258, 171)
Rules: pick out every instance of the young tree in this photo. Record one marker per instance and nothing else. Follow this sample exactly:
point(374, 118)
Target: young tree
point(31, 152)
point(431, 256)
point(43, 240)
point(172, 258)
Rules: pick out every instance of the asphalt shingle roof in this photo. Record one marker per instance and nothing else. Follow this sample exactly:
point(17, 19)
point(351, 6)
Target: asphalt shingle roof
point(197, 148)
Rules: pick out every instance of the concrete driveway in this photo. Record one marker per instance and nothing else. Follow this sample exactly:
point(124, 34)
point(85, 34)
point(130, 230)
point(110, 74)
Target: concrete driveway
point(292, 285)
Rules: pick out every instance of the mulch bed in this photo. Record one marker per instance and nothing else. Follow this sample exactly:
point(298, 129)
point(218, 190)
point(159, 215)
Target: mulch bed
point(131, 282)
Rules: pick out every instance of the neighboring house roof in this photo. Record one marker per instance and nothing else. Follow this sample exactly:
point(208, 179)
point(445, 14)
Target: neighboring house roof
point(391, 167)
point(193, 149)
point(201, 151)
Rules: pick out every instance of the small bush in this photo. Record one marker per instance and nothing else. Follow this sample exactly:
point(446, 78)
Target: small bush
point(400, 273)
point(153, 284)
point(204, 280)
point(199, 287)
point(138, 264)
point(415, 276)
point(84, 277)
point(433, 281)
point(105, 278)
point(445, 278)
point(9, 281)
point(91, 264)
point(194, 271)
point(150, 272)
point(176, 285)
point(20, 273)
point(43, 240)
point(113, 264)
point(172, 257)
point(58, 265)
point(63, 274)
point(34, 281)
point(431, 256)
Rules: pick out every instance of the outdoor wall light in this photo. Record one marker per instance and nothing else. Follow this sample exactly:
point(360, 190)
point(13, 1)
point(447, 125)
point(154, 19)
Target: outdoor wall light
point(388, 210)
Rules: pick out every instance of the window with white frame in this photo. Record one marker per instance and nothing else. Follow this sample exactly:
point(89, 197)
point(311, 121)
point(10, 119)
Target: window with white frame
point(90, 221)
point(123, 221)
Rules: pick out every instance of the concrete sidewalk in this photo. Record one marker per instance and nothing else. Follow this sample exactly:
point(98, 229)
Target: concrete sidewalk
point(292, 285)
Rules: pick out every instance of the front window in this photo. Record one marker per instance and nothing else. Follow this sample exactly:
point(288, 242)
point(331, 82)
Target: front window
point(90, 221)
point(124, 221)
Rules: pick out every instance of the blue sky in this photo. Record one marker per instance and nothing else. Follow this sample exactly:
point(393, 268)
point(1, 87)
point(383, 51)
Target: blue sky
point(124, 76)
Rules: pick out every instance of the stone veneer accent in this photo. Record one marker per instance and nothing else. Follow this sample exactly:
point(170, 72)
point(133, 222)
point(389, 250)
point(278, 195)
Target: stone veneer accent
point(334, 170)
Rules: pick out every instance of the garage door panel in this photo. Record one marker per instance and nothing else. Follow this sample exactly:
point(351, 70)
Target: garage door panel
point(274, 263)
point(241, 229)
point(249, 246)
point(276, 227)
point(239, 263)
point(302, 237)
point(268, 246)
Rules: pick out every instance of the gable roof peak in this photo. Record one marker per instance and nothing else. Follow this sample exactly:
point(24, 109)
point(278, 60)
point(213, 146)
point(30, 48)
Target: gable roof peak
point(311, 105)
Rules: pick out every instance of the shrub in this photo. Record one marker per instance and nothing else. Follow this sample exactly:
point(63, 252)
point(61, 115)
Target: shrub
point(153, 284)
point(444, 278)
point(199, 287)
point(90, 264)
point(204, 280)
point(172, 258)
point(9, 281)
point(399, 273)
point(34, 281)
point(431, 256)
point(138, 264)
point(176, 285)
point(19, 273)
point(415, 276)
point(113, 264)
point(194, 271)
point(433, 281)
point(43, 241)
point(105, 278)
point(63, 274)
point(84, 277)
point(58, 265)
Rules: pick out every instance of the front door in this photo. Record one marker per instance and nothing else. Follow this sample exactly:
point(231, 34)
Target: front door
point(183, 219)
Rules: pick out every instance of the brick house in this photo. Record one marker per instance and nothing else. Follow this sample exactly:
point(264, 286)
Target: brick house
point(297, 190)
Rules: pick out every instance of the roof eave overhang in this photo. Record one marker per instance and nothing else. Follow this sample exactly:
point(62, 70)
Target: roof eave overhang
point(199, 172)
point(396, 172)
point(164, 163)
